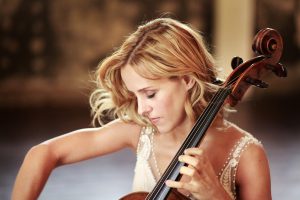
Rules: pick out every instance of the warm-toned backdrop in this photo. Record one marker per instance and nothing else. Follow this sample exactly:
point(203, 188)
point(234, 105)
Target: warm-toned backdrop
point(49, 49)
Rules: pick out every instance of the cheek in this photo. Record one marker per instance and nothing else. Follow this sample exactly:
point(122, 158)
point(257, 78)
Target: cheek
point(164, 106)
point(172, 105)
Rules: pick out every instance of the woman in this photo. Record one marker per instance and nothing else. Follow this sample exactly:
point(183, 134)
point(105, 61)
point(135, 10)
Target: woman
point(157, 84)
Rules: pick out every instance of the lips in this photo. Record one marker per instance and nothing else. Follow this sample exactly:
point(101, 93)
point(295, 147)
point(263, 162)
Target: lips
point(154, 120)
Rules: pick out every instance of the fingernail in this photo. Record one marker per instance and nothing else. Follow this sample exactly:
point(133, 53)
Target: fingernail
point(180, 158)
point(167, 182)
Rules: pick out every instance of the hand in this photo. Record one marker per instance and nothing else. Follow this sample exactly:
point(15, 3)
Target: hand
point(203, 183)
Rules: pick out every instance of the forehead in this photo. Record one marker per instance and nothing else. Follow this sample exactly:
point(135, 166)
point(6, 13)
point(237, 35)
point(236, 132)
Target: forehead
point(134, 81)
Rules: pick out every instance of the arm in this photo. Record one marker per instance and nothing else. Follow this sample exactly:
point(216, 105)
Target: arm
point(253, 174)
point(69, 148)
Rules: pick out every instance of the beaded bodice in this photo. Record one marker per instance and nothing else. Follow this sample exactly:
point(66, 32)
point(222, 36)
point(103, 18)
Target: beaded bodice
point(227, 174)
point(144, 179)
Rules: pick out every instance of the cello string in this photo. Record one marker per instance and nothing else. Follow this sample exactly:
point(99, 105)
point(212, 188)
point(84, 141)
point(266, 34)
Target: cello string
point(208, 112)
point(200, 121)
point(180, 151)
point(211, 108)
point(214, 100)
point(165, 175)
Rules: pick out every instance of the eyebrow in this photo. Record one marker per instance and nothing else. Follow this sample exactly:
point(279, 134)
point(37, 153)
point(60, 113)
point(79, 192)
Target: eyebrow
point(146, 88)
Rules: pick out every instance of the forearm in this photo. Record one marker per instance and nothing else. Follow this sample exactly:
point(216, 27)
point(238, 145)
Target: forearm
point(33, 174)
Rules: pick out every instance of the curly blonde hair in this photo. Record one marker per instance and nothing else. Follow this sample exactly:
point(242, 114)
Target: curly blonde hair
point(161, 48)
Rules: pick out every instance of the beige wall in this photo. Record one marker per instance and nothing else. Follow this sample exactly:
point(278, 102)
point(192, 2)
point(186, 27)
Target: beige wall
point(233, 25)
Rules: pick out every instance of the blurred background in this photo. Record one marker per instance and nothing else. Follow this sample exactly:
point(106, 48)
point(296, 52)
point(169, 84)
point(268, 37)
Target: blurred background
point(49, 50)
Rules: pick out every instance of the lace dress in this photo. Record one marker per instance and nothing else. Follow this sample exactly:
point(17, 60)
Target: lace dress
point(144, 179)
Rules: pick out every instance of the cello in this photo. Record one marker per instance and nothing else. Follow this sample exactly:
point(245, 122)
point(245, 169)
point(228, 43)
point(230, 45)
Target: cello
point(268, 45)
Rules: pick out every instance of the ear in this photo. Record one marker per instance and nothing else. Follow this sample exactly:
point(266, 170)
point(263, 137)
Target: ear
point(189, 81)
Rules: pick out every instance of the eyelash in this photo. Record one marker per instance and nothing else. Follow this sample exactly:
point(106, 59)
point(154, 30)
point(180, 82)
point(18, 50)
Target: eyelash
point(151, 95)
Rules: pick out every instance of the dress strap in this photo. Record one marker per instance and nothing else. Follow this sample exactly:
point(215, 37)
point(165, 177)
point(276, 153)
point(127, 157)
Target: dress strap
point(144, 145)
point(227, 174)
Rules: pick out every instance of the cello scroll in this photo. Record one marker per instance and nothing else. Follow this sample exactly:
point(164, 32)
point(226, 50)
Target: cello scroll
point(269, 45)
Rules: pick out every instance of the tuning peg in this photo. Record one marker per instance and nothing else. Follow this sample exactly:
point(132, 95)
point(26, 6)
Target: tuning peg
point(257, 82)
point(280, 70)
point(236, 61)
point(217, 81)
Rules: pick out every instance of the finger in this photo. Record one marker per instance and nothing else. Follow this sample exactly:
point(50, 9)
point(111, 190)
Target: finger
point(196, 161)
point(181, 185)
point(188, 171)
point(194, 151)
point(175, 184)
point(188, 160)
point(199, 154)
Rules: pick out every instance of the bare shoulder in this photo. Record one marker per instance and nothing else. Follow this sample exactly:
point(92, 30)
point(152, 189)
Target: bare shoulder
point(253, 153)
point(124, 126)
point(126, 131)
point(236, 131)
point(235, 134)
point(229, 135)
point(253, 173)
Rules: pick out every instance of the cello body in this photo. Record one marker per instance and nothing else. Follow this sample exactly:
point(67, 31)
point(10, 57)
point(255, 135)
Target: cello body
point(174, 195)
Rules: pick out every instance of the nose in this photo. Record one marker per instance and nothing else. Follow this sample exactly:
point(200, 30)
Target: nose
point(144, 108)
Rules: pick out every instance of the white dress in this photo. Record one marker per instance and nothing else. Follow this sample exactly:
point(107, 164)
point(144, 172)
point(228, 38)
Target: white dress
point(144, 179)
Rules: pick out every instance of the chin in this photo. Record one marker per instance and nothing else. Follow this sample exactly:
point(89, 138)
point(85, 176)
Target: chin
point(163, 128)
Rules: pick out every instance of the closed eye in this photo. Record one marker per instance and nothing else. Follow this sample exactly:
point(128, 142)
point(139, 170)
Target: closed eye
point(149, 96)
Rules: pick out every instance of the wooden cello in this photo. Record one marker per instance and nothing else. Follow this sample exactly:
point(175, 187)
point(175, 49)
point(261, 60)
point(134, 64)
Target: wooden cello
point(268, 45)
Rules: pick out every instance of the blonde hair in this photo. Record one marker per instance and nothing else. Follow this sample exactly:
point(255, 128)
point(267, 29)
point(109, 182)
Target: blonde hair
point(161, 48)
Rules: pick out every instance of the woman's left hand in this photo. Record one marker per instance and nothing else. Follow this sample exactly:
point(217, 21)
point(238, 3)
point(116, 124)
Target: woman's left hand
point(203, 183)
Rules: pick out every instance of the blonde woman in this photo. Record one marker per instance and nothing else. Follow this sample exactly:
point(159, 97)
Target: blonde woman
point(156, 85)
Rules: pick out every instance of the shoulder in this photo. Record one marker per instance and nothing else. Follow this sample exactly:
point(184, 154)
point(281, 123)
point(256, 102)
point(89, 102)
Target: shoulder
point(253, 161)
point(253, 171)
point(250, 149)
point(235, 135)
point(229, 135)
point(126, 131)
point(122, 125)
point(253, 174)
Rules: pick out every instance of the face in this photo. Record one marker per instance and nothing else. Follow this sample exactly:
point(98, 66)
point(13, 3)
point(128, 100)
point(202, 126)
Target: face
point(162, 101)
